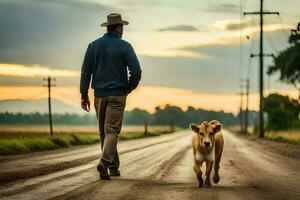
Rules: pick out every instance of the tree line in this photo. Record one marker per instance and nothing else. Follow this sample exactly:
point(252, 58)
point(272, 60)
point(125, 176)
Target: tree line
point(165, 115)
point(282, 113)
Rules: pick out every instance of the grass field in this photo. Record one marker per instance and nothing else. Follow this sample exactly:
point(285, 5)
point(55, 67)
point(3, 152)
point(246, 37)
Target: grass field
point(16, 145)
point(25, 139)
point(291, 136)
point(43, 130)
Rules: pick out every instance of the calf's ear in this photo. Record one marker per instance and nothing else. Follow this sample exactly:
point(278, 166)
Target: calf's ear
point(214, 122)
point(218, 128)
point(194, 128)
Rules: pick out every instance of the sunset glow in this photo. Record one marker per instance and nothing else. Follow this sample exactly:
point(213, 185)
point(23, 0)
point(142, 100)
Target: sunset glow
point(34, 71)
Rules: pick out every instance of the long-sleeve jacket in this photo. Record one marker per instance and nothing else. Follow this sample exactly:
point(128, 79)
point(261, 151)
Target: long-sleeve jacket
point(112, 65)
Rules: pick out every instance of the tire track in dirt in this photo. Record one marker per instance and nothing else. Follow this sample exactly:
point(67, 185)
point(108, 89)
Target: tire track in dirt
point(72, 179)
point(158, 162)
point(9, 178)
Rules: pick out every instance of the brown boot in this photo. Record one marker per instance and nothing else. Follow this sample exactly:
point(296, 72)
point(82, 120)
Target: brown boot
point(102, 169)
point(114, 172)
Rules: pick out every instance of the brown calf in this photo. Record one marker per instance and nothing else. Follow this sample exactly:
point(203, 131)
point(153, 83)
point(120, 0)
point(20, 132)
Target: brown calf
point(207, 147)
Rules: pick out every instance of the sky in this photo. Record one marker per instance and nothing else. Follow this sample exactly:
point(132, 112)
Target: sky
point(191, 52)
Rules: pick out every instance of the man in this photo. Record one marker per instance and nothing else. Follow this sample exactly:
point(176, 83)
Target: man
point(108, 61)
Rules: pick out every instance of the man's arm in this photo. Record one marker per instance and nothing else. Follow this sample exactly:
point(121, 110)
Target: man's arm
point(134, 68)
point(86, 73)
point(85, 79)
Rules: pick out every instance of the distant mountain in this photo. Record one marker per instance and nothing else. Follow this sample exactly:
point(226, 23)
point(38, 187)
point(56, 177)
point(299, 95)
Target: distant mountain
point(38, 105)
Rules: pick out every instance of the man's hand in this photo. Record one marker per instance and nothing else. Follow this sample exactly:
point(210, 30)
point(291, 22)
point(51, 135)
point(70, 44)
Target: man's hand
point(85, 104)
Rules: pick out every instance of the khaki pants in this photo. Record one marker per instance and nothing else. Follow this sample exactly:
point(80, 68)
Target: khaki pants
point(110, 111)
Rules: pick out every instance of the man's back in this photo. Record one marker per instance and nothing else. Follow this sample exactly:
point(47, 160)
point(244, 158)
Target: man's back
point(107, 59)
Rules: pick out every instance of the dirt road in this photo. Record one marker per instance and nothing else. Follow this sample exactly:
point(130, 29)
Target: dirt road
point(153, 168)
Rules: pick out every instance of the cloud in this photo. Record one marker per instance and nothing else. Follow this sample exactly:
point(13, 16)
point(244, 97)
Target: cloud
point(187, 28)
point(222, 8)
point(34, 71)
point(219, 72)
point(193, 74)
point(78, 4)
point(227, 47)
point(137, 5)
point(233, 25)
point(248, 26)
point(173, 53)
point(48, 33)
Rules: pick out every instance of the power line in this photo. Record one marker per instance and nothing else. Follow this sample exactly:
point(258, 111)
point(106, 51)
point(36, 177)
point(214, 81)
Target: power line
point(244, 114)
point(271, 43)
point(35, 96)
point(290, 17)
point(241, 41)
point(252, 46)
point(64, 98)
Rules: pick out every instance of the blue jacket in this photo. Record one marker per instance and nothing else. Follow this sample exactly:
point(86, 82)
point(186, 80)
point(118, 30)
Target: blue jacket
point(108, 61)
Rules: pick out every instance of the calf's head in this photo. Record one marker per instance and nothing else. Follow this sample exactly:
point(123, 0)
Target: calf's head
point(206, 132)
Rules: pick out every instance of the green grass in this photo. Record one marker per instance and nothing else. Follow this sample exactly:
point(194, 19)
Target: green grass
point(17, 145)
point(26, 144)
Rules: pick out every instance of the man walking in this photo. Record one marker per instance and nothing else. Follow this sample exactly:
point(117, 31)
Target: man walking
point(108, 61)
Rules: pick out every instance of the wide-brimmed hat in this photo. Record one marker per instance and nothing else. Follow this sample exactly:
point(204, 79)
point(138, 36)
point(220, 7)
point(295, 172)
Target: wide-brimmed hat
point(114, 18)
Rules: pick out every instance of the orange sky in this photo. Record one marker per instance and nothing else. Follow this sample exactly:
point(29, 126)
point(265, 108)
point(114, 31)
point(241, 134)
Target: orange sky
point(145, 97)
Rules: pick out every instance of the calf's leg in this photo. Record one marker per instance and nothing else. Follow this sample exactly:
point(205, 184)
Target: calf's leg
point(209, 165)
point(198, 172)
point(216, 177)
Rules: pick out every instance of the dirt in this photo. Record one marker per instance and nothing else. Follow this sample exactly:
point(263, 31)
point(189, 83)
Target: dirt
point(20, 167)
point(286, 149)
point(162, 169)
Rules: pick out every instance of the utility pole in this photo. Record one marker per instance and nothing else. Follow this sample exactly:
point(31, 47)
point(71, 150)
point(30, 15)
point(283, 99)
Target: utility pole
point(172, 126)
point(247, 106)
point(49, 84)
point(241, 111)
point(261, 65)
point(145, 127)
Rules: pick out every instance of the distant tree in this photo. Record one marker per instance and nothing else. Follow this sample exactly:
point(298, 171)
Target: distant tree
point(287, 63)
point(170, 114)
point(136, 117)
point(283, 112)
point(280, 119)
